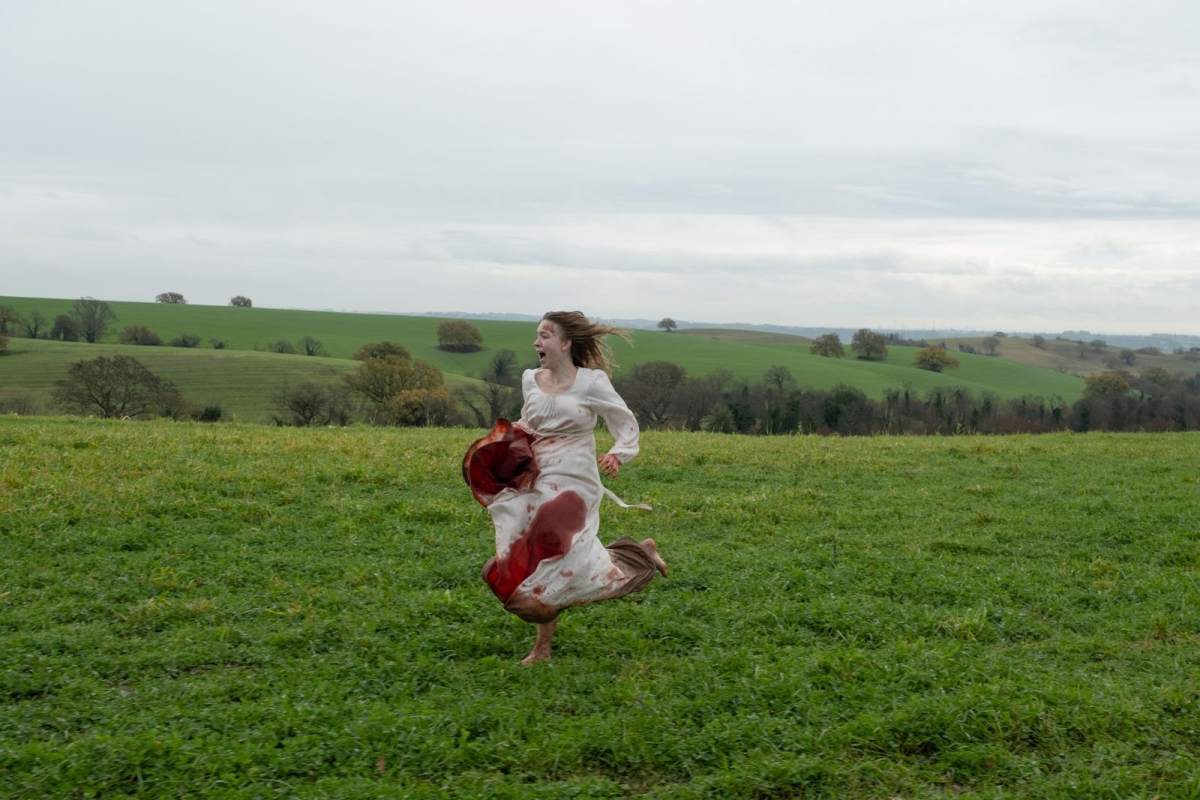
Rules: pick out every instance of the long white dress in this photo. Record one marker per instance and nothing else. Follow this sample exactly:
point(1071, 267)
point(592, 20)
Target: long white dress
point(539, 481)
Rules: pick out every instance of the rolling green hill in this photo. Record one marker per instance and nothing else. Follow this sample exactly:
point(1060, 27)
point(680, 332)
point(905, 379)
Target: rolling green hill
point(242, 377)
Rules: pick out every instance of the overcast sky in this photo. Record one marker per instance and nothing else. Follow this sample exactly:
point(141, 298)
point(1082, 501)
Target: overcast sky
point(1023, 166)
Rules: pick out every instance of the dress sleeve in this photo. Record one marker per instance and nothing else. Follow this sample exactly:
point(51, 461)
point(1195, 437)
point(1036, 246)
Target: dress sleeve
point(604, 400)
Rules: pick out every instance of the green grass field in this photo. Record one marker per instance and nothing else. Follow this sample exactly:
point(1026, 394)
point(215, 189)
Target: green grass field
point(244, 383)
point(242, 611)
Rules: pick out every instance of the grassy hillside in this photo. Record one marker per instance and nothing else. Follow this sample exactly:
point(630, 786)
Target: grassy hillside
point(748, 357)
point(1072, 358)
point(243, 611)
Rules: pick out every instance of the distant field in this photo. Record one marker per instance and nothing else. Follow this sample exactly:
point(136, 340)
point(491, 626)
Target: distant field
point(1069, 357)
point(738, 335)
point(748, 357)
point(242, 611)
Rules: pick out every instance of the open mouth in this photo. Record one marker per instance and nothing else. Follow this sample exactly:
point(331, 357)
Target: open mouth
point(541, 355)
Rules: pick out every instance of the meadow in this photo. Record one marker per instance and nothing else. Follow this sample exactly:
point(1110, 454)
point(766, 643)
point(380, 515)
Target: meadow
point(242, 378)
point(243, 611)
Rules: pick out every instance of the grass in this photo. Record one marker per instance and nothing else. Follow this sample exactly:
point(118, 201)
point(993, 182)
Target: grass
point(251, 382)
point(242, 611)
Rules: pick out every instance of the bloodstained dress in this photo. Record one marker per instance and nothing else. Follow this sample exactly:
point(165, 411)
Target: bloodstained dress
point(539, 481)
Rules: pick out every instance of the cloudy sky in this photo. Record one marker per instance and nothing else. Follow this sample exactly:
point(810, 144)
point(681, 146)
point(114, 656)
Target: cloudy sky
point(1017, 165)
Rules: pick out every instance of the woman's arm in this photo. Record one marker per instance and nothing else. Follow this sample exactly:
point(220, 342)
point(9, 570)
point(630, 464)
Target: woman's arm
point(604, 400)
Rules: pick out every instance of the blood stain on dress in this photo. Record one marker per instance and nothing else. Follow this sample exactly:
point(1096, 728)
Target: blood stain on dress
point(549, 535)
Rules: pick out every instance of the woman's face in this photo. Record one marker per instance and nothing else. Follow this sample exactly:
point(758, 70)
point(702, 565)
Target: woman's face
point(552, 349)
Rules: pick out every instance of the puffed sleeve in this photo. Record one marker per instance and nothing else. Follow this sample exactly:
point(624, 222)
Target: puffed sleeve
point(603, 399)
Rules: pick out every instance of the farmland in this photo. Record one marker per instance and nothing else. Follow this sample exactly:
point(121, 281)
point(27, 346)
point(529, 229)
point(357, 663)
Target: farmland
point(242, 377)
point(246, 611)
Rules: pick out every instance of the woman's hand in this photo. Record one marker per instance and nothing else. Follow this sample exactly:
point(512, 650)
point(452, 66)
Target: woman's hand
point(609, 465)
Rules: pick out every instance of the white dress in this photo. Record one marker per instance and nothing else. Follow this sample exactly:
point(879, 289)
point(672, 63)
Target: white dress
point(539, 481)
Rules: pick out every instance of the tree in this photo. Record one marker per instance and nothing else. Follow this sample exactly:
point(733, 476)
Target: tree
point(488, 401)
point(1039, 341)
point(1098, 344)
point(1128, 356)
point(65, 329)
point(991, 344)
point(667, 324)
point(828, 345)
point(458, 337)
point(935, 359)
point(171, 298)
point(402, 391)
point(869, 345)
point(114, 386)
point(380, 350)
point(186, 340)
point(650, 391)
point(1156, 377)
point(139, 334)
point(34, 325)
point(1000, 335)
point(1105, 384)
point(501, 368)
point(311, 347)
point(93, 317)
point(9, 319)
point(240, 301)
point(282, 346)
point(310, 404)
point(3, 344)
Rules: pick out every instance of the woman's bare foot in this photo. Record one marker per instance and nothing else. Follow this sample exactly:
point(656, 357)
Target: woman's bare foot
point(652, 550)
point(541, 647)
point(535, 655)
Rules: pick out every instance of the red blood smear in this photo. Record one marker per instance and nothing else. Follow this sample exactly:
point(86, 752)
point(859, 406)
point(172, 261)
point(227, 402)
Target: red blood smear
point(503, 459)
point(550, 534)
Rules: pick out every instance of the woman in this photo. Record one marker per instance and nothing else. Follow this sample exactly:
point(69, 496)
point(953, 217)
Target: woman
point(539, 479)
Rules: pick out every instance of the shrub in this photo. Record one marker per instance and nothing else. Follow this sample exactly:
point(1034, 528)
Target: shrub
point(186, 340)
point(459, 337)
point(139, 334)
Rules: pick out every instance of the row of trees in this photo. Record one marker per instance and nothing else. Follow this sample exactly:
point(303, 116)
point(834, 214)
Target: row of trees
point(176, 299)
point(392, 388)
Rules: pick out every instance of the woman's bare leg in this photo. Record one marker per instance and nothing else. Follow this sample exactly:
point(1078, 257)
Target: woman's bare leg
point(541, 647)
point(652, 550)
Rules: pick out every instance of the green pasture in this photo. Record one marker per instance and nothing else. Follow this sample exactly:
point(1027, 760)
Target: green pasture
point(244, 611)
point(343, 333)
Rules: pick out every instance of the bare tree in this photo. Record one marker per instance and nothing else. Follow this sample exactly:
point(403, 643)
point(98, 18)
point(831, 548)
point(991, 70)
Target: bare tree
point(34, 324)
point(311, 347)
point(115, 386)
point(93, 317)
point(991, 344)
point(488, 401)
point(310, 404)
point(139, 334)
point(650, 391)
point(171, 298)
point(1039, 341)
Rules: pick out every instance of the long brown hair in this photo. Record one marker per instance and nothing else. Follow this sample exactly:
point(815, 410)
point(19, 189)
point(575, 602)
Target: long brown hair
point(588, 349)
